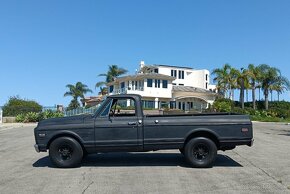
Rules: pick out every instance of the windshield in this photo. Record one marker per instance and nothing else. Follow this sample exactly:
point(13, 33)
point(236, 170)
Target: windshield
point(99, 105)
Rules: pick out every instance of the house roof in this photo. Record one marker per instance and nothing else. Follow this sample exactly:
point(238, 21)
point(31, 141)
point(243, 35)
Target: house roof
point(172, 66)
point(191, 89)
point(142, 76)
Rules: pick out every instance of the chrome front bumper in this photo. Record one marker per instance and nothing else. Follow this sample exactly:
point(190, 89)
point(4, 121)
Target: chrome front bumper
point(36, 148)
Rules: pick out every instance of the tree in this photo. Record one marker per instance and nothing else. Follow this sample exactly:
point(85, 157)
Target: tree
point(247, 87)
point(103, 91)
point(281, 84)
point(113, 72)
point(268, 77)
point(254, 74)
point(77, 91)
point(233, 84)
point(242, 79)
point(17, 105)
point(222, 76)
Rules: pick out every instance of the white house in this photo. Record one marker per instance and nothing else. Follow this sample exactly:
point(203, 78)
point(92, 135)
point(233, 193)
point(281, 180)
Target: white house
point(168, 86)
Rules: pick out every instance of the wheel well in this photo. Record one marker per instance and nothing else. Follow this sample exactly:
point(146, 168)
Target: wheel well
point(64, 135)
point(206, 134)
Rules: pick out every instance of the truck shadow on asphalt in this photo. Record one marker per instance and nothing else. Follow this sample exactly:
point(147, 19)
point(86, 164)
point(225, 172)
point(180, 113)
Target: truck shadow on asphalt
point(139, 159)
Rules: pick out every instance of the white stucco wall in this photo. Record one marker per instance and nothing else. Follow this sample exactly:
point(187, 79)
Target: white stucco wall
point(148, 91)
point(192, 77)
point(157, 92)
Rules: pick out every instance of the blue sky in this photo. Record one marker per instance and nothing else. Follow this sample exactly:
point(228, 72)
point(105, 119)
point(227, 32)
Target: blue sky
point(45, 45)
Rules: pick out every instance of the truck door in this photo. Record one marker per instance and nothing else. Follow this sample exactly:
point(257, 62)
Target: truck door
point(117, 127)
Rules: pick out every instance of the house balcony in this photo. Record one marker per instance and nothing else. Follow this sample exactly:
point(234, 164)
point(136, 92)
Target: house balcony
point(128, 90)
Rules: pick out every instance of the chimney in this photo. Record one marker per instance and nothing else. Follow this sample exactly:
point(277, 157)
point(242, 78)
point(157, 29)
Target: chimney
point(142, 64)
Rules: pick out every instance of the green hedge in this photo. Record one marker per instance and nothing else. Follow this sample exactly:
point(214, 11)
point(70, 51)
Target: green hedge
point(272, 104)
point(278, 111)
point(223, 105)
point(16, 106)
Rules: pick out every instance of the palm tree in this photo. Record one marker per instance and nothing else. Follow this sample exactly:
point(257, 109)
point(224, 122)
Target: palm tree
point(253, 73)
point(242, 79)
point(232, 79)
point(103, 91)
point(113, 72)
point(281, 84)
point(77, 91)
point(247, 87)
point(269, 76)
point(222, 76)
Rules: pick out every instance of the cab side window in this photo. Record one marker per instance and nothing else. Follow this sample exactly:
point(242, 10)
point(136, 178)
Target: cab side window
point(123, 107)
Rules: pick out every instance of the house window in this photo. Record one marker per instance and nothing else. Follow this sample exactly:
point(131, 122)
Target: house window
point(206, 85)
point(164, 83)
point(172, 104)
point(111, 88)
point(148, 104)
point(174, 84)
point(156, 70)
point(149, 83)
point(173, 73)
point(157, 83)
point(180, 74)
point(206, 77)
point(123, 85)
point(181, 84)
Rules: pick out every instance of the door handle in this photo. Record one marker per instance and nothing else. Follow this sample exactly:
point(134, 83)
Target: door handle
point(132, 123)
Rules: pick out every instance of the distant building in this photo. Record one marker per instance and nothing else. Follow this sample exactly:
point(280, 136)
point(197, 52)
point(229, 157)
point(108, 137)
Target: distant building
point(93, 100)
point(168, 86)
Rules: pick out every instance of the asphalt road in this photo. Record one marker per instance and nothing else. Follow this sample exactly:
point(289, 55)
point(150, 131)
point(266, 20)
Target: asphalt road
point(263, 168)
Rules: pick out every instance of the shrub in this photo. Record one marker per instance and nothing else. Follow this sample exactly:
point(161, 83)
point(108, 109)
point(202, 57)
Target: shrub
point(36, 117)
point(57, 114)
point(223, 105)
point(20, 118)
point(16, 105)
point(279, 112)
point(31, 117)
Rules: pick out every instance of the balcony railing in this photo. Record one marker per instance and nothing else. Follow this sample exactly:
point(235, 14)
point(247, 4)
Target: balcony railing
point(124, 90)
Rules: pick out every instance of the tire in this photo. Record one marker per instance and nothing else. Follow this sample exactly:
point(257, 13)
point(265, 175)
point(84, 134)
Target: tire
point(65, 152)
point(200, 152)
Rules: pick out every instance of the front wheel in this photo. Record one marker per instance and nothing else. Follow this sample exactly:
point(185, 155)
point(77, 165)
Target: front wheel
point(200, 152)
point(65, 152)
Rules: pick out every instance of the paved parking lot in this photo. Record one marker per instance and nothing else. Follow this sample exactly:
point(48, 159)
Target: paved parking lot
point(264, 168)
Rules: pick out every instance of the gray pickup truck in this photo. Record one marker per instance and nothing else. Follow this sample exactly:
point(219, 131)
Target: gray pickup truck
point(120, 125)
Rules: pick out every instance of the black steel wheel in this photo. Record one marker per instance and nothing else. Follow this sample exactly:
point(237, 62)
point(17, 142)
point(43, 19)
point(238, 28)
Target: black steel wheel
point(65, 152)
point(200, 152)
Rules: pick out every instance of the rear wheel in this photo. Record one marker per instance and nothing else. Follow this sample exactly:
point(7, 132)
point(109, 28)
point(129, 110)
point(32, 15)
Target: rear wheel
point(200, 152)
point(65, 152)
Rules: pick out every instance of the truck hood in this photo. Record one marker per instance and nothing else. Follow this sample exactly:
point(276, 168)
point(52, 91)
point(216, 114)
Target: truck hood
point(78, 119)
